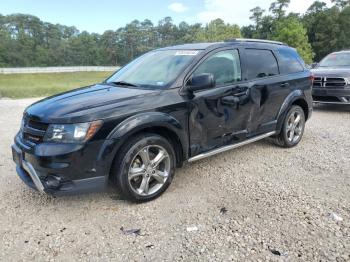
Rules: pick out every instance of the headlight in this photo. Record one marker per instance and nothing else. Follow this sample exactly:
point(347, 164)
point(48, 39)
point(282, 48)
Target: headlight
point(72, 133)
point(348, 80)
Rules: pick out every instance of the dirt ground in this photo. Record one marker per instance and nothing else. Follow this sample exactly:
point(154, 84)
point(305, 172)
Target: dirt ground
point(256, 203)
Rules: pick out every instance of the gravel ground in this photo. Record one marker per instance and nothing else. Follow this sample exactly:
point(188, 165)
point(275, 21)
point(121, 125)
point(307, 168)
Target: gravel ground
point(276, 204)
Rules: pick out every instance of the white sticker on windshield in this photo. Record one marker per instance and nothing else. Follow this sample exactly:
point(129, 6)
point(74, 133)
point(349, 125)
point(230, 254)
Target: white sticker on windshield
point(186, 52)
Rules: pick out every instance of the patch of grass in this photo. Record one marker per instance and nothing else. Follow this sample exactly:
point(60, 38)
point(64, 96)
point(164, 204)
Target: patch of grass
point(41, 85)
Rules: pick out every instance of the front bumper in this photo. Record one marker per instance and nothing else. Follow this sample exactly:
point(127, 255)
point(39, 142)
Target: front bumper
point(33, 176)
point(88, 185)
point(331, 95)
point(59, 170)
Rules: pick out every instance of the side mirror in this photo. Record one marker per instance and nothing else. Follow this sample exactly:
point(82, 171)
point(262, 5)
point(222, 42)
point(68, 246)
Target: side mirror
point(200, 82)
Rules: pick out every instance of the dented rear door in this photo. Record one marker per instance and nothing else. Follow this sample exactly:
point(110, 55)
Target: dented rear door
point(267, 86)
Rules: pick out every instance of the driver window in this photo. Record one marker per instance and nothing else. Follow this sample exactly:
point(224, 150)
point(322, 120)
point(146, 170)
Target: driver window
point(224, 65)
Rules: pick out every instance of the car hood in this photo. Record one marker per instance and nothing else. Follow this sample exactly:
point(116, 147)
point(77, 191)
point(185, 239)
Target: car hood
point(88, 103)
point(332, 71)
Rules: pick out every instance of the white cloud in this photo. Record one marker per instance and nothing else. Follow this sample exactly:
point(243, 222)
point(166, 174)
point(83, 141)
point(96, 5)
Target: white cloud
point(238, 12)
point(178, 7)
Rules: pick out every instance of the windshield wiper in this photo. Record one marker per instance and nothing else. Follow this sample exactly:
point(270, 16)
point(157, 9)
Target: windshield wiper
point(123, 83)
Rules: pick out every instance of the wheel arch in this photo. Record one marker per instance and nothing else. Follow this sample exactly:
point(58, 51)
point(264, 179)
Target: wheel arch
point(153, 122)
point(297, 97)
point(303, 104)
point(165, 132)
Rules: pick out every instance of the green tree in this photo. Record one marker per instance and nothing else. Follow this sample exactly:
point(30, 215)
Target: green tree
point(323, 28)
point(187, 33)
point(248, 31)
point(291, 31)
point(257, 14)
point(263, 25)
point(148, 36)
point(166, 32)
point(83, 50)
point(278, 8)
point(5, 43)
point(109, 47)
point(341, 3)
point(217, 30)
point(25, 40)
point(267, 27)
point(344, 28)
point(316, 7)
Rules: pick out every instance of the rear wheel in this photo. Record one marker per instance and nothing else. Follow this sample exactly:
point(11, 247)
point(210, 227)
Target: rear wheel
point(292, 129)
point(144, 167)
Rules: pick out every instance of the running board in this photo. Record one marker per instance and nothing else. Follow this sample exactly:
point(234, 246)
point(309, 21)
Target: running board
point(226, 148)
point(331, 103)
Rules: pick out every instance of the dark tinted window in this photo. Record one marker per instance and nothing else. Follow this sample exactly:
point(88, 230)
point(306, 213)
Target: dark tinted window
point(260, 63)
point(289, 61)
point(224, 65)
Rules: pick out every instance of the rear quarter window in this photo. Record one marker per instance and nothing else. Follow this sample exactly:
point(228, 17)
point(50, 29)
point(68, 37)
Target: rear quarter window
point(260, 63)
point(290, 62)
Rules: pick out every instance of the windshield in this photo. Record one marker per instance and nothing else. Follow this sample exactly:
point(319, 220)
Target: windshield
point(157, 69)
point(336, 59)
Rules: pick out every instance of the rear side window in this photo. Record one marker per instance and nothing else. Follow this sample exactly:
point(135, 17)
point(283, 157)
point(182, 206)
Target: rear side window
point(289, 61)
point(260, 63)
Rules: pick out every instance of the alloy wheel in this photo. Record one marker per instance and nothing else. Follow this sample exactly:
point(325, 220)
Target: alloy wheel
point(294, 127)
point(149, 170)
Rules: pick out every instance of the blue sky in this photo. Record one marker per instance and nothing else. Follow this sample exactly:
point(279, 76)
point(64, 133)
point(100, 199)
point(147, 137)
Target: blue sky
point(100, 15)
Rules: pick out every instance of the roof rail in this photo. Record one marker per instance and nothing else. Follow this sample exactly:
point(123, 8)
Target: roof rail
point(255, 41)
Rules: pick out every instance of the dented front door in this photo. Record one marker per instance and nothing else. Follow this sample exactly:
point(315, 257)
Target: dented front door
point(219, 116)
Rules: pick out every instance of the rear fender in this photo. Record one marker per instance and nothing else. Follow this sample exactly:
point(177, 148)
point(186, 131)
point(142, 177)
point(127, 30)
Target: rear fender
point(288, 102)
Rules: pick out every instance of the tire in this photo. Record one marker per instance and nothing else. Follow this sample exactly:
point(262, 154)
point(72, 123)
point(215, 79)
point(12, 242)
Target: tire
point(291, 124)
point(135, 171)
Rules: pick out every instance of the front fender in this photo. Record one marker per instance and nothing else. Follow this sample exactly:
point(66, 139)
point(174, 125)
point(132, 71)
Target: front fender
point(136, 124)
point(144, 120)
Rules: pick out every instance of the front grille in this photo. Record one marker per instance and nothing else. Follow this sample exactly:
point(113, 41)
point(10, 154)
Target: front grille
point(33, 131)
point(37, 125)
point(318, 82)
point(329, 82)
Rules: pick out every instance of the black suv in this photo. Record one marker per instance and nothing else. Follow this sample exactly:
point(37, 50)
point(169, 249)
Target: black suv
point(332, 79)
point(169, 106)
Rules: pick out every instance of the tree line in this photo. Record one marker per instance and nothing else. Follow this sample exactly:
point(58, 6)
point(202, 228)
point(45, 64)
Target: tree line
point(318, 32)
point(25, 40)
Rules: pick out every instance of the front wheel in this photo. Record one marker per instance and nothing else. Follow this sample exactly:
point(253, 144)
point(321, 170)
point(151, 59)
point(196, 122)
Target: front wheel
point(292, 129)
point(145, 167)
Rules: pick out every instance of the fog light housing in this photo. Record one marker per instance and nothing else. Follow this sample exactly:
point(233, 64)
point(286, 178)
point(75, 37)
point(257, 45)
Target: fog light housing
point(53, 181)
